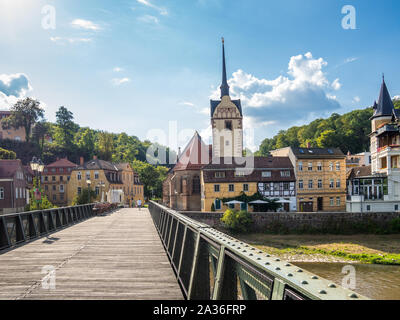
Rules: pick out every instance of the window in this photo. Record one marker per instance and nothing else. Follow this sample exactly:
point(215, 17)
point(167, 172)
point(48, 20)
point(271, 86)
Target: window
point(53, 170)
point(337, 166)
point(79, 175)
point(332, 201)
point(338, 183)
point(62, 196)
point(228, 125)
point(16, 193)
point(216, 188)
point(286, 186)
point(220, 174)
point(368, 208)
point(285, 173)
point(1, 193)
point(61, 170)
point(396, 207)
point(88, 175)
point(196, 185)
point(320, 184)
point(332, 184)
point(266, 174)
point(79, 190)
point(310, 184)
point(61, 188)
point(96, 175)
point(46, 187)
point(61, 178)
point(310, 166)
point(239, 173)
point(243, 206)
point(97, 191)
point(331, 166)
point(53, 178)
point(231, 188)
point(54, 197)
point(300, 166)
point(301, 184)
point(54, 188)
point(319, 166)
point(46, 178)
point(217, 204)
point(246, 187)
point(338, 202)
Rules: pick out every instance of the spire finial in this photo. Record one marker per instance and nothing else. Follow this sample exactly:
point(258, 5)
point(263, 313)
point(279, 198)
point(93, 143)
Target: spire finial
point(383, 77)
point(224, 86)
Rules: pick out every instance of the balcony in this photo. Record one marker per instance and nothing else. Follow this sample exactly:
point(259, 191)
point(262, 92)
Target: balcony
point(387, 129)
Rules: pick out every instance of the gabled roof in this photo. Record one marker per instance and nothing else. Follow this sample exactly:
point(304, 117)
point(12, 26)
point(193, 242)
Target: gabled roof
point(97, 164)
point(385, 106)
point(62, 163)
point(195, 156)
point(8, 168)
point(306, 153)
point(359, 172)
point(215, 103)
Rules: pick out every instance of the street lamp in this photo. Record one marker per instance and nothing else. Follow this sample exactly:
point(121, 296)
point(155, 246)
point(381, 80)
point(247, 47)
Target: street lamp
point(88, 183)
point(37, 167)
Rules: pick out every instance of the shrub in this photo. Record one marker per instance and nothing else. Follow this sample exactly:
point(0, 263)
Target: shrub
point(7, 155)
point(237, 221)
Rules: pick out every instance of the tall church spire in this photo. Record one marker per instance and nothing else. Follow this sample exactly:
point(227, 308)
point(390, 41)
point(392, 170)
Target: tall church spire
point(224, 86)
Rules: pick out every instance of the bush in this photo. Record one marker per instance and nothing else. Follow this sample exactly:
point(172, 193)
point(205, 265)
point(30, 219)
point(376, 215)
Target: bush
point(7, 155)
point(237, 221)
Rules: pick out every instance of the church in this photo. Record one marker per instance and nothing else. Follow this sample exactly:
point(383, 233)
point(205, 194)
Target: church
point(204, 174)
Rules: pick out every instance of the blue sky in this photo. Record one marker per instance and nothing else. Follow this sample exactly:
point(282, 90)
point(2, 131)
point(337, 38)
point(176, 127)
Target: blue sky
point(135, 65)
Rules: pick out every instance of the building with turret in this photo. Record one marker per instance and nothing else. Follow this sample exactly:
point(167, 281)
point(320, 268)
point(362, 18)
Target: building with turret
point(376, 188)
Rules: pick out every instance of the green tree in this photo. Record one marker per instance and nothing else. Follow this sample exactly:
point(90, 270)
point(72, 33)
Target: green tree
point(40, 130)
point(83, 198)
point(151, 176)
point(66, 127)
point(237, 221)
point(86, 142)
point(105, 145)
point(7, 155)
point(25, 113)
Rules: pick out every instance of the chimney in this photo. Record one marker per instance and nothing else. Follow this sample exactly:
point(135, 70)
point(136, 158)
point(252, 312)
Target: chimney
point(82, 161)
point(94, 157)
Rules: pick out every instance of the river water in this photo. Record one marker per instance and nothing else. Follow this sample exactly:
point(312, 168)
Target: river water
point(377, 282)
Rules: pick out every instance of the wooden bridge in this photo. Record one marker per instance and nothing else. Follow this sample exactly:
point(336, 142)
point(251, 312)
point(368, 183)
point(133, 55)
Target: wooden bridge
point(115, 256)
point(156, 254)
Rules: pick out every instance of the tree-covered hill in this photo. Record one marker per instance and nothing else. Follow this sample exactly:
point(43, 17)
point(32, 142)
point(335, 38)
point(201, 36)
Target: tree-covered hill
point(349, 132)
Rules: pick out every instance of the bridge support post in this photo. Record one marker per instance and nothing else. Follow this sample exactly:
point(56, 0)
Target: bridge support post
point(4, 238)
point(199, 284)
point(278, 290)
point(226, 280)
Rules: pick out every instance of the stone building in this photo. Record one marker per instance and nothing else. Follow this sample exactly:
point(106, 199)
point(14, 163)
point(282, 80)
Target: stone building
point(321, 178)
point(11, 133)
point(105, 179)
point(379, 189)
point(55, 179)
point(14, 195)
point(272, 177)
point(132, 187)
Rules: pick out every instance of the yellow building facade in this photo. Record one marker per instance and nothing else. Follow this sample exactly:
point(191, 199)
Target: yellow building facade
point(321, 178)
point(132, 187)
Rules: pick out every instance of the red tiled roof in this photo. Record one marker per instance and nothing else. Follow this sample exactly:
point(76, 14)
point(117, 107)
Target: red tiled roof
point(195, 156)
point(62, 163)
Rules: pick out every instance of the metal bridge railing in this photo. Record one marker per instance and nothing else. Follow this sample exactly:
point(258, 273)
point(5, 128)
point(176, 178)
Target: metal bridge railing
point(211, 265)
point(17, 228)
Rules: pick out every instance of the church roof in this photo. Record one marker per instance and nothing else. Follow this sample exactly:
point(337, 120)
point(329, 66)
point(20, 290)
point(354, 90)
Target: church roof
point(195, 156)
point(224, 86)
point(385, 106)
point(215, 103)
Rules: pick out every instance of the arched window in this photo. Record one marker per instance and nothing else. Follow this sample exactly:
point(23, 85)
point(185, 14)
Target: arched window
point(196, 185)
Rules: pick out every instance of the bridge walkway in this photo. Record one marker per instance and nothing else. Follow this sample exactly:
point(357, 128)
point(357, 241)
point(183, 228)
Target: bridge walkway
point(115, 256)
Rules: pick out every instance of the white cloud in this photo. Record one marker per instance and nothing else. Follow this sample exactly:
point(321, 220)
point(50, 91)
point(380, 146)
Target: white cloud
point(187, 103)
point(286, 100)
point(64, 41)
point(396, 98)
point(356, 99)
point(148, 19)
point(336, 85)
point(118, 69)
point(12, 88)
point(147, 3)
point(120, 81)
point(85, 24)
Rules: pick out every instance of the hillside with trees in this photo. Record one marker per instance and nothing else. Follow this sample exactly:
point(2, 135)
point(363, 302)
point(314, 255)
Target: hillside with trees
point(65, 138)
point(349, 132)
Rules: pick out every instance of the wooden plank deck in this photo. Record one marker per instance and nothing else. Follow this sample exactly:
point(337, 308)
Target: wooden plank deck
point(117, 256)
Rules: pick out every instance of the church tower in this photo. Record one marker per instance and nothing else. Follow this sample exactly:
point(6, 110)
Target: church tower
point(226, 120)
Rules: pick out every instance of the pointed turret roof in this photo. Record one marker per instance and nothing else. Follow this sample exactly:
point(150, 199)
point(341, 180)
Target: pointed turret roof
point(385, 106)
point(195, 156)
point(224, 85)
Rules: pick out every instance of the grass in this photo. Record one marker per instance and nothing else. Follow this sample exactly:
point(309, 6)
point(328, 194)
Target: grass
point(373, 249)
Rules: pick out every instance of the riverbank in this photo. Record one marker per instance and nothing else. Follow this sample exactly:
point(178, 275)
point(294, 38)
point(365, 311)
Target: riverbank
point(371, 249)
